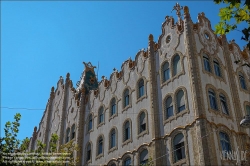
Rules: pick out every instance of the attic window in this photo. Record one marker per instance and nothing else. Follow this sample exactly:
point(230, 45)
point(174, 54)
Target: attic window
point(207, 36)
point(168, 39)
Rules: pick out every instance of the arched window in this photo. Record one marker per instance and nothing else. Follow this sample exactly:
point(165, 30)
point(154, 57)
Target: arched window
point(67, 135)
point(180, 101)
point(126, 97)
point(179, 147)
point(248, 109)
point(206, 63)
point(88, 152)
point(101, 115)
point(142, 122)
point(126, 131)
point(127, 161)
point(225, 142)
point(113, 107)
point(166, 72)
point(177, 64)
point(112, 138)
point(242, 81)
point(223, 103)
point(169, 108)
point(212, 99)
point(100, 145)
point(112, 164)
point(217, 68)
point(90, 123)
point(141, 88)
point(144, 157)
point(73, 131)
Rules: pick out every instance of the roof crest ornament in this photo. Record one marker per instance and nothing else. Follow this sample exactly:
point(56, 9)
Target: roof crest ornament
point(178, 9)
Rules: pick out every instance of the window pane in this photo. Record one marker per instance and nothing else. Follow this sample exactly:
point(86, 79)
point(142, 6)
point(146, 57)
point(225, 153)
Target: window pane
point(179, 148)
point(88, 152)
point(141, 88)
point(126, 98)
point(73, 132)
point(90, 123)
point(217, 69)
point(166, 72)
point(206, 63)
point(113, 106)
point(177, 66)
point(142, 122)
point(101, 115)
point(113, 139)
point(180, 101)
point(127, 131)
point(100, 146)
point(144, 157)
point(242, 81)
point(127, 161)
point(248, 109)
point(213, 103)
point(224, 105)
point(225, 143)
point(169, 107)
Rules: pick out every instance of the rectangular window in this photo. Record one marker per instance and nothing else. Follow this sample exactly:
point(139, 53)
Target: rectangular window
point(206, 64)
point(166, 74)
point(179, 151)
point(141, 91)
point(169, 112)
point(143, 127)
point(181, 108)
point(217, 69)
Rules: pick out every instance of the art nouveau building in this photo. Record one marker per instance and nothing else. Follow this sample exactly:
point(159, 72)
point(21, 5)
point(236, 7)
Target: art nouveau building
point(179, 102)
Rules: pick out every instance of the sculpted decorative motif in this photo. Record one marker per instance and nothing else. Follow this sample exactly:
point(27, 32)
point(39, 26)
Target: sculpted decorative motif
point(140, 62)
point(126, 75)
point(206, 35)
point(113, 82)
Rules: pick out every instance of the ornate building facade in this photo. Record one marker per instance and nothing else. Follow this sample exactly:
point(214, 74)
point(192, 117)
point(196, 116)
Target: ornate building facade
point(179, 102)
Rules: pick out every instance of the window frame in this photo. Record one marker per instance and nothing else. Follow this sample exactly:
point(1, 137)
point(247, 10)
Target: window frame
point(206, 63)
point(176, 64)
point(212, 103)
point(73, 131)
point(141, 88)
point(181, 149)
point(101, 116)
point(67, 139)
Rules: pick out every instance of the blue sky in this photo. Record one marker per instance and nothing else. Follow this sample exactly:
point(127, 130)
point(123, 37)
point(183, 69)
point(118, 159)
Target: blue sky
point(41, 41)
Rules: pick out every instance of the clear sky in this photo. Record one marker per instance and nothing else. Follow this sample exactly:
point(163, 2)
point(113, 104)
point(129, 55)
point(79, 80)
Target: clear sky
point(41, 41)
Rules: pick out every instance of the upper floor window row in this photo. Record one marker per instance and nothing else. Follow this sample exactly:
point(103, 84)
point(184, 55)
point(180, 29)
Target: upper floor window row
point(178, 104)
point(70, 135)
point(222, 100)
point(216, 65)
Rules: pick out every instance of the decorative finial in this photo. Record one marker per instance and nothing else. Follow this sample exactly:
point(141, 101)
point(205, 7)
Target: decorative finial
point(151, 38)
point(178, 9)
point(35, 129)
point(52, 89)
point(68, 75)
point(114, 69)
point(103, 77)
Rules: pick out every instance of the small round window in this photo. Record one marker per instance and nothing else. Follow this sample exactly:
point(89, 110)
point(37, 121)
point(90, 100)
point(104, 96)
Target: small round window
point(168, 39)
point(207, 36)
